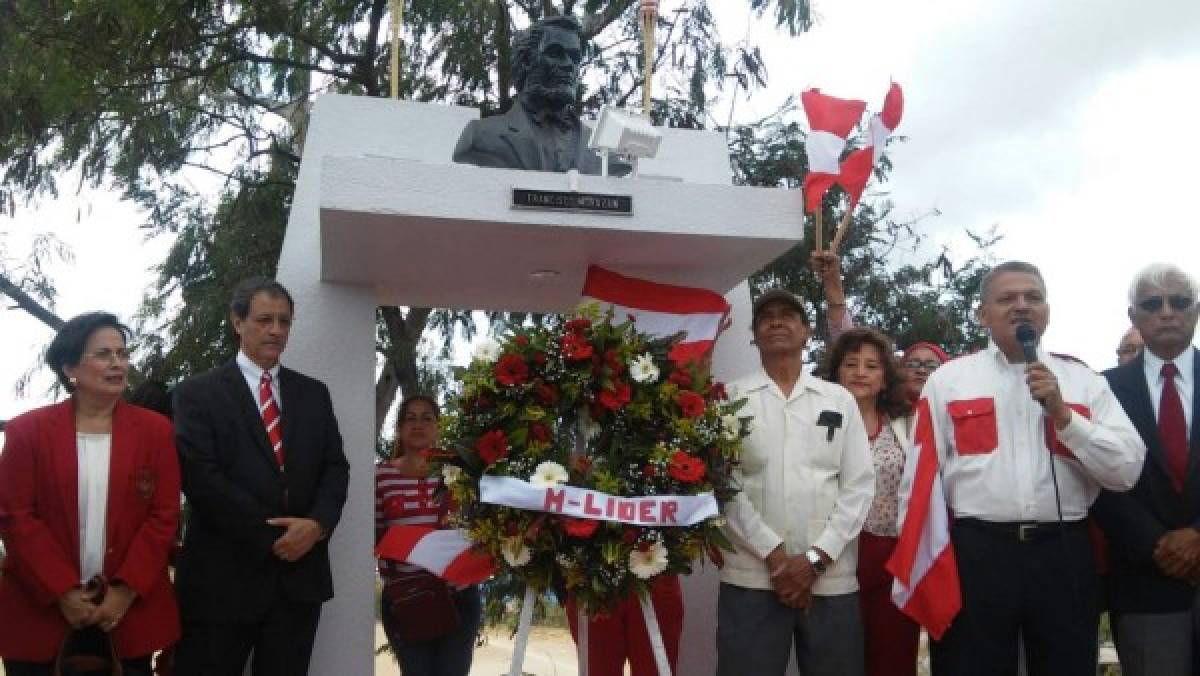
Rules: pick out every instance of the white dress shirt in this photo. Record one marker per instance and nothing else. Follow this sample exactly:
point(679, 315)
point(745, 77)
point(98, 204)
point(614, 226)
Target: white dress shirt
point(94, 451)
point(1184, 375)
point(993, 446)
point(802, 484)
point(253, 374)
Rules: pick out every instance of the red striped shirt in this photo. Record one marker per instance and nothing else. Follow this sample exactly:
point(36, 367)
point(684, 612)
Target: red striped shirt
point(402, 499)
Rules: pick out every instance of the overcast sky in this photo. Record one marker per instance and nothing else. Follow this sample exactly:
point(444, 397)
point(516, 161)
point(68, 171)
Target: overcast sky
point(1068, 124)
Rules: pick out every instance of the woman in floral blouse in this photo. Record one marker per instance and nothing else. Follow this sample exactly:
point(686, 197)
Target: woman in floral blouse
point(862, 361)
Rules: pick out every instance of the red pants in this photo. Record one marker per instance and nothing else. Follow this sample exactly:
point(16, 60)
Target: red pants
point(889, 637)
point(622, 633)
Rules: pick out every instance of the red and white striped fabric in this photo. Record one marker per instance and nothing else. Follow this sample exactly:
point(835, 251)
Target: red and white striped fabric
point(445, 553)
point(856, 170)
point(831, 120)
point(661, 310)
point(926, 587)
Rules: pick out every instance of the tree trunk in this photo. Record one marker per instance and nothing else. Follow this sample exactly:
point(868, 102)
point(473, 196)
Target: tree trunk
point(400, 365)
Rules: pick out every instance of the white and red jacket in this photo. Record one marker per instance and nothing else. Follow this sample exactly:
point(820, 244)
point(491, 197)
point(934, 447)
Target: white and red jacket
point(994, 443)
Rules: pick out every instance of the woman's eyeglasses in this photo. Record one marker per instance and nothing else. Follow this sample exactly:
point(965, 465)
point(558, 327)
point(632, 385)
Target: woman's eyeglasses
point(1177, 302)
point(927, 364)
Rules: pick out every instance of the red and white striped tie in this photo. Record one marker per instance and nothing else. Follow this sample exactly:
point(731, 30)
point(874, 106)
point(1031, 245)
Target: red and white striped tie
point(270, 415)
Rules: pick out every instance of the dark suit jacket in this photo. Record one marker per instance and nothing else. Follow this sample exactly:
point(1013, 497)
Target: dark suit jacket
point(39, 521)
point(510, 141)
point(1134, 521)
point(227, 571)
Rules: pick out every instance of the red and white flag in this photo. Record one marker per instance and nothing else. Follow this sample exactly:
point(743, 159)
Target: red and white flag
point(926, 586)
point(445, 553)
point(661, 310)
point(831, 120)
point(856, 170)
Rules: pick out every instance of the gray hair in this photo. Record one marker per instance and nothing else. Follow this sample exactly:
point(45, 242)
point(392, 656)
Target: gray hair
point(1157, 275)
point(1009, 266)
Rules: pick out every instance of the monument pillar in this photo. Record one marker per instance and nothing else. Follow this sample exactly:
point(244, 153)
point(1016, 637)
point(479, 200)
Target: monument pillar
point(382, 216)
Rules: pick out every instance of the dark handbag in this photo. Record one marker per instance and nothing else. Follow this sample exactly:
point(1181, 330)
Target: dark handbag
point(420, 607)
point(89, 651)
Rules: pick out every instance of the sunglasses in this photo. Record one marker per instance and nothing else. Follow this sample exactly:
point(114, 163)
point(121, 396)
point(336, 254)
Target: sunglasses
point(928, 364)
point(1178, 303)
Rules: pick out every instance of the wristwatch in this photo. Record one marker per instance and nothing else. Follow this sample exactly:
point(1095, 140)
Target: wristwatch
point(814, 558)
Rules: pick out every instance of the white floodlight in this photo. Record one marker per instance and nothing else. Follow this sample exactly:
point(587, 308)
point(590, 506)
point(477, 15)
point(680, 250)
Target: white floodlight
point(624, 133)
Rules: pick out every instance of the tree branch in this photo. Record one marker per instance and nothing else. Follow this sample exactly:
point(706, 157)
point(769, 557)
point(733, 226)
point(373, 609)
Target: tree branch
point(593, 24)
point(30, 304)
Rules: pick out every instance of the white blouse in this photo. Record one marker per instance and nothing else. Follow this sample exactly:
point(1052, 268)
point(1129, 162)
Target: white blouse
point(94, 452)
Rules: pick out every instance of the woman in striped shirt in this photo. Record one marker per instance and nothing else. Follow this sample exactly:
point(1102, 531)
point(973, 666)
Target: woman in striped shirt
point(405, 494)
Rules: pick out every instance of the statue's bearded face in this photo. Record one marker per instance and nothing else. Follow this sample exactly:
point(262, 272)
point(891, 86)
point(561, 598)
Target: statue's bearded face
point(554, 76)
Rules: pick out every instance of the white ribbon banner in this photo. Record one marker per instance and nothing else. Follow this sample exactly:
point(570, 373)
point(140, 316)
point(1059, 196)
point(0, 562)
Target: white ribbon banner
point(581, 503)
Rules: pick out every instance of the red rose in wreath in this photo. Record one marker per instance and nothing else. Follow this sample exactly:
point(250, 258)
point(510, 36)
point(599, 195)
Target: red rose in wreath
point(576, 348)
point(685, 468)
point(492, 446)
point(579, 528)
point(539, 432)
point(546, 393)
point(578, 325)
point(690, 403)
point(681, 378)
point(511, 370)
point(615, 397)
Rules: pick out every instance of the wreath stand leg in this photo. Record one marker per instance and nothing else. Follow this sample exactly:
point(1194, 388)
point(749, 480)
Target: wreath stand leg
point(581, 643)
point(523, 626)
point(655, 634)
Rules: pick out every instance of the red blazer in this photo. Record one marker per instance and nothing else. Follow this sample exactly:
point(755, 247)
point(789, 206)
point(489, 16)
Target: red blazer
point(39, 523)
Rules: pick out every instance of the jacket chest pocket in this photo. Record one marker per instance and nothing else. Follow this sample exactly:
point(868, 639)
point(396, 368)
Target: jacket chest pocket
point(974, 423)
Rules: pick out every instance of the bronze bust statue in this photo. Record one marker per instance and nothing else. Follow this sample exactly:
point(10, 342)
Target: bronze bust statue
point(541, 131)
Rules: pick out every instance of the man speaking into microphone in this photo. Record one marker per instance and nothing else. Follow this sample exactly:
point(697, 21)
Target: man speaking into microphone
point(1025, 440)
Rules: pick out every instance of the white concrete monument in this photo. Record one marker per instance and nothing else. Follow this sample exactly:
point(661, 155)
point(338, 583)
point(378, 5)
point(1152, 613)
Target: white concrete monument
point(381, 216)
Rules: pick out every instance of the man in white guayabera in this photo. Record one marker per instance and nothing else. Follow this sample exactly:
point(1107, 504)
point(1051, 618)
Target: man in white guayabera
point(807, 482)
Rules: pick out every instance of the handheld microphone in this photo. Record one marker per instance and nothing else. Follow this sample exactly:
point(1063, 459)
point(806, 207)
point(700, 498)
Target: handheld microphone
point(1028, 340)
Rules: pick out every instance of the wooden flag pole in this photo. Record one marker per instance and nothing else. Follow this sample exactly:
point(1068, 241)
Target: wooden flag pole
point(397, 21)
point(842, 228)
point(649, 15)
point(817, 215)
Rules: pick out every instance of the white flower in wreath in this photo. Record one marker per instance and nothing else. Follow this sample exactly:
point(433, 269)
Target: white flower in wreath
point(591, 430)
point(730, 426)
point(549, 474)
point(643, 369)
point(648, 562)
point(488, 350)
point(516, 554)
point(451, 473)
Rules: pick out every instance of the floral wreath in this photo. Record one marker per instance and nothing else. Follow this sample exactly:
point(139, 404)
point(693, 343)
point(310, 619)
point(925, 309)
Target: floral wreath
point(596, 405)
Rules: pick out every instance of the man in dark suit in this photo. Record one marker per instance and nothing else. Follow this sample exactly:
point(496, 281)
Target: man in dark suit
point(1154, 530)
point(265, 479)
point(541, 131)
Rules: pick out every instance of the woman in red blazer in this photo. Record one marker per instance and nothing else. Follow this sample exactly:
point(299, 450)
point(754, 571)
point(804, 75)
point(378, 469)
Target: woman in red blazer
point(89, 486)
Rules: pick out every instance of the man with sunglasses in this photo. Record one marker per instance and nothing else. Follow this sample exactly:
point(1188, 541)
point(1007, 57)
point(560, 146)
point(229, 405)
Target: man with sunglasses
point(1154, 530)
